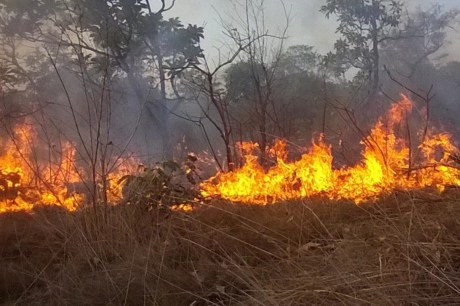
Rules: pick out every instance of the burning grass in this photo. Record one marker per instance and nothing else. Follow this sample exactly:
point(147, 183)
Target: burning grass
point(403, 249)
point(26, 180)
point(392, 159)
point(398, 246)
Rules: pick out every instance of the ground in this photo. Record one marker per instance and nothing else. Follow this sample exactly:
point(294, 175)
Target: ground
point(403, 249)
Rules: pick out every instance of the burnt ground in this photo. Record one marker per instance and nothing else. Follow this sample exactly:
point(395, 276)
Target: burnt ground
point(403, 249)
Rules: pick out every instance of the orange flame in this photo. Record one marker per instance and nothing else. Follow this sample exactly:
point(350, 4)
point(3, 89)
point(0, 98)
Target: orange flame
point(386, 166)
point(25, 181)
point(125, 166)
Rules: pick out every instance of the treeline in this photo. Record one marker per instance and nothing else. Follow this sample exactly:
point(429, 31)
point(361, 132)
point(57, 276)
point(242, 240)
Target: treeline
point(116, 76)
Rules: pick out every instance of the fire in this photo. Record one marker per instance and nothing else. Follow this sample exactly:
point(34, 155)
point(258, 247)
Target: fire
point(27, 181)
point(124, 167)
point(388, 163)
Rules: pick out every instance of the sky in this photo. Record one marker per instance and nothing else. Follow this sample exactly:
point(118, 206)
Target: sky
point(307, 25)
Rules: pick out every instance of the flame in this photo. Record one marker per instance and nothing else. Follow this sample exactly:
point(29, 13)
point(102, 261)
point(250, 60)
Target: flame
point(27, 181)
point(387, 165)
point(182, 207)
point(124, 167)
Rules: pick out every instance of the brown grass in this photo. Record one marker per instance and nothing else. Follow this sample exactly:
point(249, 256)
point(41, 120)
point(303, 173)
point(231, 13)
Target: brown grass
point(404, 249)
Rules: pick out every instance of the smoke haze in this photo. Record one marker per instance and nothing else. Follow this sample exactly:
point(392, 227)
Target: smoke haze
point(307, 26)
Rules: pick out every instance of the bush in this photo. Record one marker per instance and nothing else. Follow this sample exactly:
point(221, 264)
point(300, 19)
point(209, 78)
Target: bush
point(164, 185)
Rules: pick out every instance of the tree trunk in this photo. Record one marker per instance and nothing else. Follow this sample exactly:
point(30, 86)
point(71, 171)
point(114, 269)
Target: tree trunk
point(375, 78)
point(164, 116)
point(263, 133)
point(226, 129)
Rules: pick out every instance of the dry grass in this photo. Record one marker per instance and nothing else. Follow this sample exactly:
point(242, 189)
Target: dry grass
point(405, 249)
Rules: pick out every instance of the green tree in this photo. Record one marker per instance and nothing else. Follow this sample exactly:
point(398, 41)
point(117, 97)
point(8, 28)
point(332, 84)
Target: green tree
point(424, 36)
point(294, 103)
point(143, 45)
point(126, 39)
point(364, 25)
point(300, 59)
point(77, 58)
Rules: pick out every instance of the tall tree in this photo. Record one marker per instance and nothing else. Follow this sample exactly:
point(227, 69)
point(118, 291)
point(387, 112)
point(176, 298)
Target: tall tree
point(126, 38)
point(295, 90)
point(76, 58)
point(424, 36)
point(143, 45)
point(364, 25)
point(262, 57)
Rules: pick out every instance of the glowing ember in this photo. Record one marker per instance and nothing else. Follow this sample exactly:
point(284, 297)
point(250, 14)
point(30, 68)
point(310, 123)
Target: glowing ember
point(386, 166)
point(182, 207)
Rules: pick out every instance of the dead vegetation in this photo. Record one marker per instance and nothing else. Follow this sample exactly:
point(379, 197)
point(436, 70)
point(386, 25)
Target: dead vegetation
point(402, 250)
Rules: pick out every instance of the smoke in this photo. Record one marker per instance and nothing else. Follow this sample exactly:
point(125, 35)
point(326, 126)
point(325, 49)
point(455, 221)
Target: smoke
point(147, 124)
point(307, 26)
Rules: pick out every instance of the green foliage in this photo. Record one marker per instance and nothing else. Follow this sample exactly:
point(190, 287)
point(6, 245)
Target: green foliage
point(295, 92)
point(133, 33)
point(299, 59)
point(126, 34)
point(240, 82)
point(26, 17)
point(168, 183)
point(364, 25)
point(243, 78)
point(96, 45)
point(424, 34)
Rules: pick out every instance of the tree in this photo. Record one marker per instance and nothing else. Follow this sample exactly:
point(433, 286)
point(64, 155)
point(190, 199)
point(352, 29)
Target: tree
point(75, 59)
point(135, 41)
point(424, 36)
point(144, 45)
point(261, 56)
point(250, 41)
point(364, 26)
point(300, 59)
point(295, 94)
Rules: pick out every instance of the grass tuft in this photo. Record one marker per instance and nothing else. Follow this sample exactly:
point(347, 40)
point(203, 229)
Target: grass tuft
point(403, 249)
